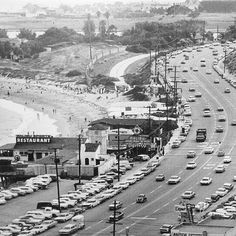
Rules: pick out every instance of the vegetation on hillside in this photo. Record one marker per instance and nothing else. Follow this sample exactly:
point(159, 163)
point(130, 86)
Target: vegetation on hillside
point(231, 62)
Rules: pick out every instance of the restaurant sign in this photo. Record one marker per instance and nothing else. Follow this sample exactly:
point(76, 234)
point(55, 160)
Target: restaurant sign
point(141, 140)
point(33, 138)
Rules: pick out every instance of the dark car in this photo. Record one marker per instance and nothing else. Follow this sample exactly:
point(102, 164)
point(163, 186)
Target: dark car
point(166, 228)
point(215, 197)
point(141, 198)
point(118, 216)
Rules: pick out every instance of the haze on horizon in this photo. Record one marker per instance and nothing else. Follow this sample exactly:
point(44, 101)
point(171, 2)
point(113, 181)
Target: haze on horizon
point(16, 5)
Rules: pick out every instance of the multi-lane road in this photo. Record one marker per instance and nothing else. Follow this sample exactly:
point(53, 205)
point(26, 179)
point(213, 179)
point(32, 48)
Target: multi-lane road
point(147, 218)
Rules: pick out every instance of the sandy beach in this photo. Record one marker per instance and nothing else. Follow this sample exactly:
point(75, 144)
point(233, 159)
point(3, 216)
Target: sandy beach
point(71, 111)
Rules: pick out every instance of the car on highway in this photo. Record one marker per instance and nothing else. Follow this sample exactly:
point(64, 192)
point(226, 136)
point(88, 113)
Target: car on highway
point(233, 122)
point(220, 153)
point(198, 95)
point(221, 192)
point(227, 90)
point(219, 129)
point(160, 177)
point(174, 179)
point(191, 99)
point(115, 204)
point(227, 160)
point(185, 69)
point(206, 180)
point(68, 229)
point(221, 118)
point(208, 72)
point(188, 194)
point(63, 217)
point(220, 169)
point(209, 150)
point(203, 65)
point(182, 62)
point(166, 228)
point(195, 68)
point(141, 198)
point(220, 109)
point(206, 114)
point(191, 89)
point(216, 81)
point(145, 170)
point(176, 144)
point(191, 165)
point(184, 81)
point(191, 154)
point(118, 216)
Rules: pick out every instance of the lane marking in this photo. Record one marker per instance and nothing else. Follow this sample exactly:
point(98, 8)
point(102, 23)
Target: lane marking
point(158, 209)
point(153, 191)
point(174, 199)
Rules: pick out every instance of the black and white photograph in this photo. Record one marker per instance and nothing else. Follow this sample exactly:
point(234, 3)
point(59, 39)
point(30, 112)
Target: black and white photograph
point(118, 117)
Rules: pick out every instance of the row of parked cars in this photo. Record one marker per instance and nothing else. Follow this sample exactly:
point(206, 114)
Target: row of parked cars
point(31, 185)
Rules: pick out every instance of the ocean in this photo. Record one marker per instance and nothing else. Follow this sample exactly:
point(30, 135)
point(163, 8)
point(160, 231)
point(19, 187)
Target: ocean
point(19, 119)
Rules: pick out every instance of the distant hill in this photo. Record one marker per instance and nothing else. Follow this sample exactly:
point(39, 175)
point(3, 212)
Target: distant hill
point(192, 4)
point(219, 6)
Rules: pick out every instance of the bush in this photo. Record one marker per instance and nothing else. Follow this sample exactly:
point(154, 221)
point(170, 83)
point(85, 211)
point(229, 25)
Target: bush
point(73, 73)
point(137, 49)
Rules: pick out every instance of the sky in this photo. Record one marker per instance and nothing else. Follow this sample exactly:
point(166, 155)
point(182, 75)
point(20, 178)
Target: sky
point(14, 5)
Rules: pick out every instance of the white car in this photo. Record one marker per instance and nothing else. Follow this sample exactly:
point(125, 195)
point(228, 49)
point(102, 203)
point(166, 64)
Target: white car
point(174, 179)
point(201, 206)
point(216, 81)
point(90, 203)
point(68, 229)
point(221, 192)
point(10, 193)
point(63, 204)
point(191, 99)
point(185, 69)
point(176, 144)
point(206, 114)
point(38, 229)
point(40, 214)
point(138, 175)
point(206, 181)
point(6, 195)
point(131, 180)
point(220, 169)
point(209, 150)
point(195, 68)
point(2, 200)
point(109, 193)
point(191, 165)
point(19, 191)
point(227, 159)
point(123, 185)
point(198, 95)
point(26, 233)
point(26, 189)
point(188, 195)
point(71, 202)
point(63, 217)
point(221, 118)
point(208, 72)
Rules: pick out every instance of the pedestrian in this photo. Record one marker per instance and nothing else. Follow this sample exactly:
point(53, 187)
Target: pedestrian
point(42, 109)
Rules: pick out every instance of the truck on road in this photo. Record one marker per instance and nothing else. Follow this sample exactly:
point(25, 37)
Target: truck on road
point(201, 135)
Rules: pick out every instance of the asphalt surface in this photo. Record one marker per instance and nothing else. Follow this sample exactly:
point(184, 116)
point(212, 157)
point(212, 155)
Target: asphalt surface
point(147, 218)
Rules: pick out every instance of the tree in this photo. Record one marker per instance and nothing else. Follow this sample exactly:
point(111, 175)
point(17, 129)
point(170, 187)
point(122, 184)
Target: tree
point(3, 33)
point(112, 30)
point(89, 29)
point(26, 34)
point(102, 29)
point(107, 15)
point(98, 13)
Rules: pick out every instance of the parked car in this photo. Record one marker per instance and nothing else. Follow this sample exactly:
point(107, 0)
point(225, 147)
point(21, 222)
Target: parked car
point(221, 192)
point(68, 229)
point(215, 197)
point(38, 229)
point(166, 228)
point(49, 223)
point(63, 217)
point(228, 186)
point(201, 206)
point(141, 157)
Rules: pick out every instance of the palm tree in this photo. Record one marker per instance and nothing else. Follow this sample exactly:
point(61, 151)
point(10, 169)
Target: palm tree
point(98, 13)
point(107, 15)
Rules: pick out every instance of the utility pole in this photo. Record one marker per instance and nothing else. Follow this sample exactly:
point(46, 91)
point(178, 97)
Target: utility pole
point(56, 161)
point(114, 219)
point(149, 118)
point(79, 139)
point(175, 86)
point(90, 44)
point(204, 29)
point(217, 32)
point(118, 156)
point(225, 58)
point(165, 77)
point(150, 58)
point(155, 60)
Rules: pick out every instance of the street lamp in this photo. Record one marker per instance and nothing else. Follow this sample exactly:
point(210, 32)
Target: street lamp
point(79, 155)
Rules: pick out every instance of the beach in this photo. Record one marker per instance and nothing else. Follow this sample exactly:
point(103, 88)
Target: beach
point(71, 112)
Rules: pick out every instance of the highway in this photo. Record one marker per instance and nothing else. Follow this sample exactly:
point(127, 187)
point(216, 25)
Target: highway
point(147, 218)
